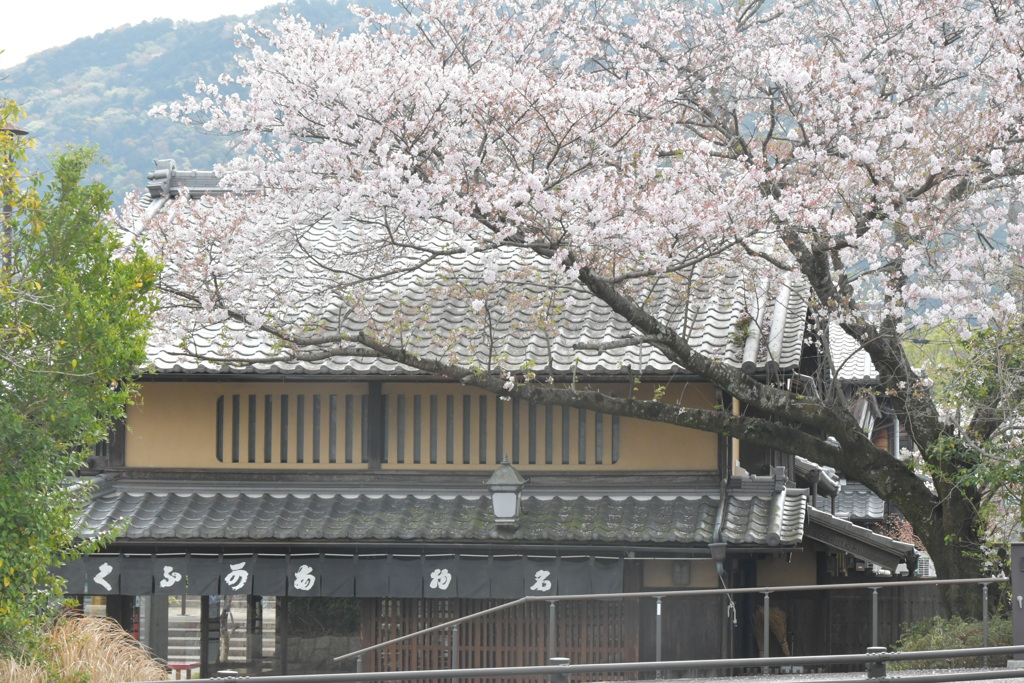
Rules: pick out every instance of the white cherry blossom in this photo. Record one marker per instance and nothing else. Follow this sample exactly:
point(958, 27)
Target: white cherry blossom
point(871, 150)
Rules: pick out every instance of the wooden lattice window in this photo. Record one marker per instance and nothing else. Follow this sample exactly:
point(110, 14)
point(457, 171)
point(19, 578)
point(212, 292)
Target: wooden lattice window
point(481, 430)
point(430, 430)
point(296, 428)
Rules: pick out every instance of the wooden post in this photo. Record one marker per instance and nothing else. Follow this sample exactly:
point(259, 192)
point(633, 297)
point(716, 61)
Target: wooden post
point(158, 618)
point(254, 633)
point(283, 631)
point(204, 636)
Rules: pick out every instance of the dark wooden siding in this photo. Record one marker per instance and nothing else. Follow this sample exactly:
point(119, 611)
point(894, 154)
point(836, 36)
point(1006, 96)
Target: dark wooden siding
point(585, 631)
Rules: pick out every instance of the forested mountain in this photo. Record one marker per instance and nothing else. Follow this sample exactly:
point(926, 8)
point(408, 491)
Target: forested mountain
point(99, 90)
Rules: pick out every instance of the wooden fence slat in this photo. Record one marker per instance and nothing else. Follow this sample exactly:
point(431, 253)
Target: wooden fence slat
point(586, 631)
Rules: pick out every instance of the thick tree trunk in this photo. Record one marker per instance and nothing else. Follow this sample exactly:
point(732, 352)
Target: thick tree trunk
point(962, 600)
point(953, 541)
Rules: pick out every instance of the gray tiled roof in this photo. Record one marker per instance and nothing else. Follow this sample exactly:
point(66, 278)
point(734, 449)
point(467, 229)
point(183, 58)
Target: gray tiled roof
point(237, 516)
point(168, 181)
point(852, 362)
point(828, 480)
point(855, 501)
point(727, 316)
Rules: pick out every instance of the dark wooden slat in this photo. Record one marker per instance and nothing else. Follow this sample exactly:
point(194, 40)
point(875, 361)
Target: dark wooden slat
point(284, 427)
point(317, 406)
point(251, 450)
point(332, 435)
point(236, 403)
point(268, 428)
point(587, 632)
point(220, 429)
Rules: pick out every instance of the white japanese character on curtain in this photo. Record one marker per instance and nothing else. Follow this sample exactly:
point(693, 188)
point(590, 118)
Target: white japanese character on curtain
point(101, 576)
point(171, 577)
point(440, 579)
point(238, 576)
point(541, 582)
point(304, 578)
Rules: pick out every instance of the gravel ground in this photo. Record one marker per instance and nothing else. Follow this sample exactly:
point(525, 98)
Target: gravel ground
point(908, 675)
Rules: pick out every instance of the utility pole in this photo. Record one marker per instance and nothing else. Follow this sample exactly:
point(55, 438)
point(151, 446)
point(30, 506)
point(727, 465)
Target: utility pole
point(14, 131)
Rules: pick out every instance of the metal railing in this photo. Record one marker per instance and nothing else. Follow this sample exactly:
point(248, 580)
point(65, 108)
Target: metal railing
point(560, 669)
point(658, 596)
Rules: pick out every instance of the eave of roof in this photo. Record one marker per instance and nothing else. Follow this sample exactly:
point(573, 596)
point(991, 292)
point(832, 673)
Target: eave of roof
point(759, 515)
point(857, 541)
point(205, 516)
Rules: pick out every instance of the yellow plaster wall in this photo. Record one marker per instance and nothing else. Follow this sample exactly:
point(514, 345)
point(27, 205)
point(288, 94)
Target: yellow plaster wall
point(175, 425)
point(658, 446)
point(172, 425)
point(658, 574)
point(801, 570)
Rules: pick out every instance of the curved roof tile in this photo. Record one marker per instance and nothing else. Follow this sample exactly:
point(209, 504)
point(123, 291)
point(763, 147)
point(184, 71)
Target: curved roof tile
point(735, 318)
point(774, 519)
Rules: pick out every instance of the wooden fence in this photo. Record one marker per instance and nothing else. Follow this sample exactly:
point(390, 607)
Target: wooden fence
point(586, 631)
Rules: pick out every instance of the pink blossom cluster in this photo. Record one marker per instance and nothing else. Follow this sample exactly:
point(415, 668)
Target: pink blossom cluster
point(871, 149)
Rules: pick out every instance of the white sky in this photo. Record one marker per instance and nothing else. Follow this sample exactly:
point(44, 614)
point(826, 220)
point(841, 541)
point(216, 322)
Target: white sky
point(31, 26)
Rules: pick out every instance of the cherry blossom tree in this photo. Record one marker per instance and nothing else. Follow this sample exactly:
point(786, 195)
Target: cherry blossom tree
point(863, 155)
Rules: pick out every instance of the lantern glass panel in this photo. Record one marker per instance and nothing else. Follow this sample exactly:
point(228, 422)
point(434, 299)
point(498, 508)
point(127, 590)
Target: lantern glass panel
point(506, 504)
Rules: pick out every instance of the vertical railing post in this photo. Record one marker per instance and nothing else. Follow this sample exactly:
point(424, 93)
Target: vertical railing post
point(657, 635)
point(455, 649)
point(984, 619)
point(874, 617)
point(876, 668)
point(359, 664)
point(559, 677)
point(766, 625)
point(552, 615)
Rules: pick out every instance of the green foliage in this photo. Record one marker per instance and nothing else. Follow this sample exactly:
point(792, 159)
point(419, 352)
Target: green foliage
point(979, 381)
point(951, 634)
point(74, 320)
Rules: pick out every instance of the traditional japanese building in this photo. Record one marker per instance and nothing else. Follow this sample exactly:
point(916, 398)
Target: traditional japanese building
point(353, 500)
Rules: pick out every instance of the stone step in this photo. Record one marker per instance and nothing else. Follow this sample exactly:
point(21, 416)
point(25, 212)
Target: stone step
point(193, 625)
point(172, 648)
point(194, 632)
point(194, 635)
point(194, 642)
point(268, 646)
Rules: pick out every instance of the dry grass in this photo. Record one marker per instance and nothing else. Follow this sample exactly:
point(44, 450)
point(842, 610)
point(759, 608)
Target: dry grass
point(88, 649)
point(11, 670)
